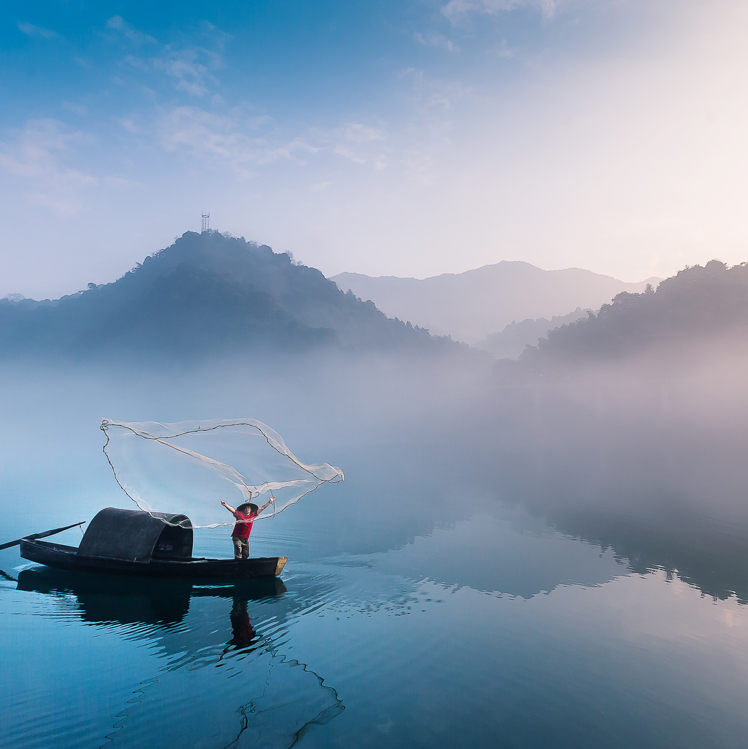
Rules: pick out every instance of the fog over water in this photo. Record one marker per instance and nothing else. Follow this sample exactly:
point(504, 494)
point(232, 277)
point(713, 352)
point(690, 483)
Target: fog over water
point(645, 460)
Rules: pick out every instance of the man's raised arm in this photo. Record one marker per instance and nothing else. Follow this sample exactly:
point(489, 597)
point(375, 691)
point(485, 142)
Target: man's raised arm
point(266, 505)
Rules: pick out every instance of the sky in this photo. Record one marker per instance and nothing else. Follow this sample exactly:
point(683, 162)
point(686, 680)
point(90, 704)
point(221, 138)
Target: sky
point(408, 137)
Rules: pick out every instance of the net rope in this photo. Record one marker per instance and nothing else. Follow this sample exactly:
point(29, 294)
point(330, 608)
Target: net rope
point(309, 477)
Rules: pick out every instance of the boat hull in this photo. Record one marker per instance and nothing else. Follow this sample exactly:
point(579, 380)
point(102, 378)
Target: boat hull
point(67, 558)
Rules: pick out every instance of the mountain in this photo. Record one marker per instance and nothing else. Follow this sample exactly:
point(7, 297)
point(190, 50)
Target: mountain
point(205, 293)
point(511, 342)
point(470, 306)
point(698, 307)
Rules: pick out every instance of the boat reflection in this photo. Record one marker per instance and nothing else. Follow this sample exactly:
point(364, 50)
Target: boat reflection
point(106, 599)
point(232, 633)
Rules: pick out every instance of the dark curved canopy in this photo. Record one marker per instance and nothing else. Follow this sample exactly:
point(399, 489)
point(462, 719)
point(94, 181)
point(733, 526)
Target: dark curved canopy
point(137, 536)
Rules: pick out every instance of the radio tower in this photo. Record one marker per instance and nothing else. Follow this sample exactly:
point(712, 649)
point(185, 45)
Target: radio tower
point(206, 222)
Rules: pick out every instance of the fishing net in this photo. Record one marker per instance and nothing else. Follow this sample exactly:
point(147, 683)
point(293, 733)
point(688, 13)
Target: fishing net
point(190, 466)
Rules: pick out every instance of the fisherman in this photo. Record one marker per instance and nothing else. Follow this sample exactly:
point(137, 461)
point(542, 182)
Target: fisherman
point(245, 515)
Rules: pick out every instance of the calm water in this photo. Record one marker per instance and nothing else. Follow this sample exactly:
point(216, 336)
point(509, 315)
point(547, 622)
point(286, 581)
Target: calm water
point(421, 606)
point(492, 632)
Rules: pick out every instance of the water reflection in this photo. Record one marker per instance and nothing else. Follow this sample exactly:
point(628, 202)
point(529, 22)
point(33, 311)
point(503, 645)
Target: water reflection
point(104, 599)
point(241, 626)
point(248, 688)
point(651, 467)
point(703, 552)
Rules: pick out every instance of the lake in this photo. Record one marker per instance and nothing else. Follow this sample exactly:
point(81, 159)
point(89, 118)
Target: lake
point(423, 604)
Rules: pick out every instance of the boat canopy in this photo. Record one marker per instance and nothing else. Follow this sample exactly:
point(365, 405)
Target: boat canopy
point(137, 536)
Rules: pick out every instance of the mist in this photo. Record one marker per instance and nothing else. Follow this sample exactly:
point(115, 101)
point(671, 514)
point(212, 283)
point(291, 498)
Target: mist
point(640, 460)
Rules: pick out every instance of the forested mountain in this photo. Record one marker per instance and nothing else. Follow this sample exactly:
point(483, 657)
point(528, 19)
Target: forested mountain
point(697, 307)
point(206, 292)
point(472, 305)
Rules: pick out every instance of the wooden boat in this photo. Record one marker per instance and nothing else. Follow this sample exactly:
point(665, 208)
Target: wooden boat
point(130, 542)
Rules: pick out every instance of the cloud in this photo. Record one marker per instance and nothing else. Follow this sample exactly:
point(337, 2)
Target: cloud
point(128, 123)
point(433, 92)
point(130, 32)
point(78, 109)
point(36, 31)
point(223, 140)
point(190, 68)
point(36, 157)
point(245, 143)
point(138, 63)
point(356, 142)
point(355, 132)
point(432, 39)
point(120, 182)
point(503, 50)
point(288, 151)
point(456, 9)
point(349, 154)
point(217, 36)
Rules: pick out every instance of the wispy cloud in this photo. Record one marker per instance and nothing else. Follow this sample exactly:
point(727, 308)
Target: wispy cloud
point(294, 150)
point(245, 142)
point(434, 92)
point(503, 50)
point(78, 109)
point(356, 142)
point(37, 155)
point(138, 63)
point(135, 36)
point(190, 68)
point(432, 39)
point(129, 124)
point(120, 182)
point(36, 31)
point(455, 9)
point(225, 140)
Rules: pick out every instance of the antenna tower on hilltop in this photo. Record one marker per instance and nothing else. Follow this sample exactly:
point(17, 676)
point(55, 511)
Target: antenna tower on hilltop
point(206, 222)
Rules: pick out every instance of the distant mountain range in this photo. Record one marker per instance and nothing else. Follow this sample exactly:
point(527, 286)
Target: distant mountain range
point(205, 293)
point(472, 305)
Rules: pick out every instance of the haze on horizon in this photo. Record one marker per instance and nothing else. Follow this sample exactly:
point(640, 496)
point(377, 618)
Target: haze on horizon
point(385, 138)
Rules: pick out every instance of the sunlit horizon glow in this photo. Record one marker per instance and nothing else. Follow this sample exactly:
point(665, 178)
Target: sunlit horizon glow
point(407, 139)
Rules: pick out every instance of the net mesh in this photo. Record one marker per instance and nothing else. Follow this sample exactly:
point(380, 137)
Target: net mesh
point(189, 467)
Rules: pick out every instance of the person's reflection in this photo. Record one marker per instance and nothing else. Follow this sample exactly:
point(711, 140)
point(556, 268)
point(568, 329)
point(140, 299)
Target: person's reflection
point(241, 627)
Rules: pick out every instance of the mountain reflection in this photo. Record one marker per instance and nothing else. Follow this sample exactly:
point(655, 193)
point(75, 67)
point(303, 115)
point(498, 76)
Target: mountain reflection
point(704, 553)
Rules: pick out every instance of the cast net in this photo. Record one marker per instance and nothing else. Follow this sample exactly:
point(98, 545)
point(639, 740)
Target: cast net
point(191, 466)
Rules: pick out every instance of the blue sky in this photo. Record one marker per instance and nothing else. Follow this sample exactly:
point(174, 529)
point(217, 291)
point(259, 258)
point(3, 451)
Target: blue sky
point(404, 138)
